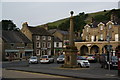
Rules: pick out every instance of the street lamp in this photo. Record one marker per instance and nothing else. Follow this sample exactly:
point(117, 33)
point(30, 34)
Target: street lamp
point(108, 47)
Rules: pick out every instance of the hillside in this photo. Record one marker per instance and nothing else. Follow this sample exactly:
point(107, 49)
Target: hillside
point(82, 19)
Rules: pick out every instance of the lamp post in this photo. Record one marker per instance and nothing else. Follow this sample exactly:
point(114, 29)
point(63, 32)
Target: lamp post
point(108, 47)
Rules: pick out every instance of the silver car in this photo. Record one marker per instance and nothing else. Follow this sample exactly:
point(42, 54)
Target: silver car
point(33, 59)
point(83, 62)
point(46, 59)
point(60, 59)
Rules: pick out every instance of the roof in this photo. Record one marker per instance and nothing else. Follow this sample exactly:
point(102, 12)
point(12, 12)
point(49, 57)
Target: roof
point(56, 39)
point(95, 24)
point(39, 30)
point(52, 31)
point(14, 37)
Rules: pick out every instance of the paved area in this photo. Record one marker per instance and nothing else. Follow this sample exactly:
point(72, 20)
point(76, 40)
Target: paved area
point(93, 73)
point(12, 74)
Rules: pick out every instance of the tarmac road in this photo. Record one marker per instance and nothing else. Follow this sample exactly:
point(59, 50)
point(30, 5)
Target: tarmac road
point(11, 74)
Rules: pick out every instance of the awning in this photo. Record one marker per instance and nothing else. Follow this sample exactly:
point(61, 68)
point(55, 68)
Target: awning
point(28, 50)
point(11, 50)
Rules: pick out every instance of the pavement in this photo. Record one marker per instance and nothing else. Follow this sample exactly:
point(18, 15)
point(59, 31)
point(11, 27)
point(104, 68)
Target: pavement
point(81, 73)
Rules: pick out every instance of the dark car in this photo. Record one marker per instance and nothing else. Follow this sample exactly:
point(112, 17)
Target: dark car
point(105, 62)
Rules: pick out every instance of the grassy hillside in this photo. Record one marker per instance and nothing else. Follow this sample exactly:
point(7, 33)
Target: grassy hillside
point(82, 19)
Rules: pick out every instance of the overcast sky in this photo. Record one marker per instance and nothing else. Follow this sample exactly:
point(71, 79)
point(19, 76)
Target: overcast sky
point(37, 13)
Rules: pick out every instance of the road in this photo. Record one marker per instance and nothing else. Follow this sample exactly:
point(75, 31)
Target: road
point(24, 75)
point(93, 72)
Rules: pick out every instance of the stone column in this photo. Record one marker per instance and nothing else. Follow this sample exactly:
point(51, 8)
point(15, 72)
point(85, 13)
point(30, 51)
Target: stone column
point(71, 50)
point(71, 35)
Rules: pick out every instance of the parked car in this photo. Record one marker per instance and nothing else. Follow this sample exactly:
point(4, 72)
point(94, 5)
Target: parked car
point(46, 59)
point(33, 59)
point(61, 59)
point(83, 62)
point(91, 58)
point(113, 63)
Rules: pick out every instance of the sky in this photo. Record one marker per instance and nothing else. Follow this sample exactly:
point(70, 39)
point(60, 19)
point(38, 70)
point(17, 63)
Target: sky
point(38, 13)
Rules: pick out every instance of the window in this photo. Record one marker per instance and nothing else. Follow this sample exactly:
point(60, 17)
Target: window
point(92, 38)
point(37, 37)
point(110, 26)
point(38, 52)
point(86, 37)
point(12, 44)
point(38, 44)
point(87, 29)
point(57, 44)
point(116, 37)
point(101, 27)
point(43, 38)
point(101, 37)
point(44, 45)
point(25, 44)
point(49, 45)
point(49, 37)
point(49, 52)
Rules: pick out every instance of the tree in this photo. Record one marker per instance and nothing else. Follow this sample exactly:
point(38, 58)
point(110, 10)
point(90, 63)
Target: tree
point(8, 25)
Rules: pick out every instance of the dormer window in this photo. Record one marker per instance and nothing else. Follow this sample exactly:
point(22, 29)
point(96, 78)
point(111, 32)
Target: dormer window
point(101, 27)
point(110, 26)
point(87, 29)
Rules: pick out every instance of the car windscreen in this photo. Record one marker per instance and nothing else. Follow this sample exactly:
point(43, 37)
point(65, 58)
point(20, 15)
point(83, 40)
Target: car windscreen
point(81, 58)
point(33, 58)
point(44, 57)
point(61, 56)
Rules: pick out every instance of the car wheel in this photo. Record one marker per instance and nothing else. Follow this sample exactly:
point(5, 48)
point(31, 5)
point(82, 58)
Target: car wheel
point(87, 66)
point(57, 62)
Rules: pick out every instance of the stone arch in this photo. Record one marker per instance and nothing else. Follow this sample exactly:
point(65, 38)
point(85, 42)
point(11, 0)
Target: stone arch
point(83, 50)
point(94, 49)
point(104, 49)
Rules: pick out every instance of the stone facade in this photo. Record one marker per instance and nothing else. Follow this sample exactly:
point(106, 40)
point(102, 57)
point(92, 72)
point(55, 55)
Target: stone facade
point(96, 38)
point(42, 40)
point(15, 46)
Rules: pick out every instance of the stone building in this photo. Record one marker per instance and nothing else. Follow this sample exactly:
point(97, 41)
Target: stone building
point(58, 46)
point(42, 40)
point(15, 45)
point(96, 36)
point(62, 35)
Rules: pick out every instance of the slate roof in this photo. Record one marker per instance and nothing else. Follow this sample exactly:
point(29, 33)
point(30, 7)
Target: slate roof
point(39, 30)
point(14, 37)
point(56, 39)
point(52, 31)
point(95, 24)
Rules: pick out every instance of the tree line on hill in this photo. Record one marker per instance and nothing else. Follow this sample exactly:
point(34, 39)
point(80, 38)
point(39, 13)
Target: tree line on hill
point(80, 20)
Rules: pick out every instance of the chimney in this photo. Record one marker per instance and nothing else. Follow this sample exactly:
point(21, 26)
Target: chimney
point(45, 26)
point(112, 17)
point(25, 24)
